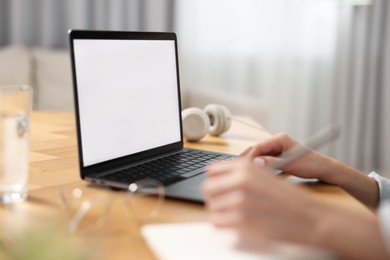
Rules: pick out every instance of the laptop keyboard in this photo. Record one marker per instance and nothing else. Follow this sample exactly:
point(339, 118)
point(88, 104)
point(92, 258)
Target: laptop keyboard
point(168, 169)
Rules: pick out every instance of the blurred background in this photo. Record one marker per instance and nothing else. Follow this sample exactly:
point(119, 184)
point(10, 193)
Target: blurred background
point(293, 65)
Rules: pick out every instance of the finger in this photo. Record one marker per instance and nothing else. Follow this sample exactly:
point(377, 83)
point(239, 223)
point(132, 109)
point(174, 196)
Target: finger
point(221, 167)
point(245, 152)
point(269, 147)
point(259, 161)
point(226, 201)
point(272, 146)
point(226, 219)
point(217, 168)
point(228, 177)
point(217, 185)
point(266, 161)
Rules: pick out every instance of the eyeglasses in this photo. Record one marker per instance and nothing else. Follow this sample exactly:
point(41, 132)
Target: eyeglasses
point(88, 207)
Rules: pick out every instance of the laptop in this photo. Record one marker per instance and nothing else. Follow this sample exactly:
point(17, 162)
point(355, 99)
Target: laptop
point(128, 112)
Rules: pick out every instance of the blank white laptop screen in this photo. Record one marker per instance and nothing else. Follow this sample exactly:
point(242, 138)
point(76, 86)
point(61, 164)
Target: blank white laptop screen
point(127, 96)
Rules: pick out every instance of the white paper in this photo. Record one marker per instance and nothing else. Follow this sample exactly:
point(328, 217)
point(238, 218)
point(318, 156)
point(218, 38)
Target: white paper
point(202, 241)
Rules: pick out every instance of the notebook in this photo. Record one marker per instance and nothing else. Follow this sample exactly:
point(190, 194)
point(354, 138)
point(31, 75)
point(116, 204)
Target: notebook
point(128, 112)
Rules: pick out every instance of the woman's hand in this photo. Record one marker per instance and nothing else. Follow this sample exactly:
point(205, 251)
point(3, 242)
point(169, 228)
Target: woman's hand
point(242, 196)
point(311, 165)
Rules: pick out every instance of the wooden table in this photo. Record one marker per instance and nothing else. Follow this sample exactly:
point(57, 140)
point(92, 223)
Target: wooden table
point(54, 164)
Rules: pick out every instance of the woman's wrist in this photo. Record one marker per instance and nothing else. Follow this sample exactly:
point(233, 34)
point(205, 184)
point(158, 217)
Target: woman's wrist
point(359, 185)
point(328, 170)
point(335, 172)
point(340, 229)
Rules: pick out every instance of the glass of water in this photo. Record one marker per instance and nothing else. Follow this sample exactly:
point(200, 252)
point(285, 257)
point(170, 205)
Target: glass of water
point(15, 108)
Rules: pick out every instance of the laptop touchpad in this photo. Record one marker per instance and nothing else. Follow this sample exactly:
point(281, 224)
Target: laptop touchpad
point(188, 189)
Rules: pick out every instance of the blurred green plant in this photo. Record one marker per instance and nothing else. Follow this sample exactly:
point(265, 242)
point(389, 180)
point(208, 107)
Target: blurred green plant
point(41, 245)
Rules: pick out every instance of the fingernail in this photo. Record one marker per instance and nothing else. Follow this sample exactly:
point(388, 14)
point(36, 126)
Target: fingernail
point(259, 161)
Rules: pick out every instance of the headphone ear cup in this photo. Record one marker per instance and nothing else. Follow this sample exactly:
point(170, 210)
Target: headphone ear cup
point(227, 116)
point(196, 124)
point(219, 118)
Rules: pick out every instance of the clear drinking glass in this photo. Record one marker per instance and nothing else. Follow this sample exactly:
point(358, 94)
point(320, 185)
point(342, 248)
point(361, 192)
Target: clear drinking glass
point(145, 199)
point(15, 108)
point(89, 207)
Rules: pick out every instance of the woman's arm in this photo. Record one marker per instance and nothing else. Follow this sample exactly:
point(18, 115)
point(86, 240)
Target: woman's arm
point(353, 181)
point(316, 165)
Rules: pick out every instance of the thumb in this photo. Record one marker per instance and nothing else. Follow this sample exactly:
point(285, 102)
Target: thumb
point(259, 161)
point(266, 161)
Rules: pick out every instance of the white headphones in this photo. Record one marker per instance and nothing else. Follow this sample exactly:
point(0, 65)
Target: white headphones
point(214, 119)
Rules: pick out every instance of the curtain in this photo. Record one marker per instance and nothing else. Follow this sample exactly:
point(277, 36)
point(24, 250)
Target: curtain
point(44, 23)
point(281, 52)
point(313, 63)
point(362, 94)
